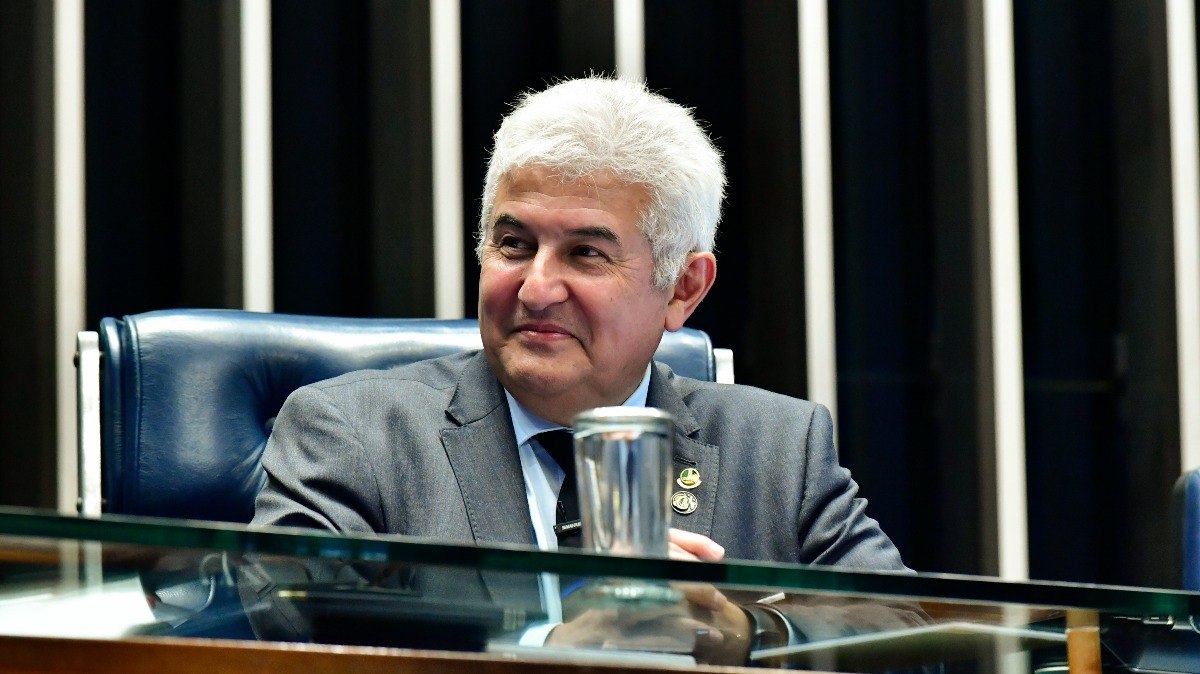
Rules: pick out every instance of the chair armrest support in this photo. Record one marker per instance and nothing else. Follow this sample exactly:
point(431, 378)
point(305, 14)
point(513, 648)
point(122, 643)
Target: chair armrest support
point(724, 360)
point(87, 384)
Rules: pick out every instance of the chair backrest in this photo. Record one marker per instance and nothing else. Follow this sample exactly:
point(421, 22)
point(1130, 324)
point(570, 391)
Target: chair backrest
point(1186, 523)
point(188, 397)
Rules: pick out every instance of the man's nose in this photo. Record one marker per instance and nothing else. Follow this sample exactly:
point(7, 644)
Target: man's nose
point(544, 284)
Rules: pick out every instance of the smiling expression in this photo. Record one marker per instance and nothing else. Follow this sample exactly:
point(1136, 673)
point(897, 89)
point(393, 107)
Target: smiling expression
point(568, 310)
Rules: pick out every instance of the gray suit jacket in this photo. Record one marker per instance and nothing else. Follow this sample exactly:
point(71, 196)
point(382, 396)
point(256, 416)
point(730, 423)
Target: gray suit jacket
point(428, 450)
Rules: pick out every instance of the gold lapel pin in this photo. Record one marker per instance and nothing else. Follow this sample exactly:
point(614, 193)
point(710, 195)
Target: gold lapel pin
point(689, 478)
point(684, 502)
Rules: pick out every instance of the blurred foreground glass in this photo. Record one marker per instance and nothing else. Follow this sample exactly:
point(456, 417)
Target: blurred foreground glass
point(108, 588)
point(623, 463)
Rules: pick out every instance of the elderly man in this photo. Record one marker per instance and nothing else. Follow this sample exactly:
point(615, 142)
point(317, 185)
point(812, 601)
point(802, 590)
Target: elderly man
point(596, 234)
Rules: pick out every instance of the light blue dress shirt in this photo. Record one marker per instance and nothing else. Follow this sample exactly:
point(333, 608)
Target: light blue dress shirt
point(543, 480)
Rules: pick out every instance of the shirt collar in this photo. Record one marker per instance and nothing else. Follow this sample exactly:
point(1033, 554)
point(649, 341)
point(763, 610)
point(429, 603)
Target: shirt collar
point(526, 424)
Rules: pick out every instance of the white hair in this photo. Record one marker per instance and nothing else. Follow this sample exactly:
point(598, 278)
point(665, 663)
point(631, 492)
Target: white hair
point(597, 124)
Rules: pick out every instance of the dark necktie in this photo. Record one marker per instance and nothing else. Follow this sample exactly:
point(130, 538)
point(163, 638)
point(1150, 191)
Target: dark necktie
point(559, 446)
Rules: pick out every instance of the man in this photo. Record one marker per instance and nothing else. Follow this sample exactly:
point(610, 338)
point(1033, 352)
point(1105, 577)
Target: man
point(596, 233)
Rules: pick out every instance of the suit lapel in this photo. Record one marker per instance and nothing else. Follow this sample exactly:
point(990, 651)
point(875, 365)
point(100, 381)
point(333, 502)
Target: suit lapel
point(483, 454)
point(689, 453)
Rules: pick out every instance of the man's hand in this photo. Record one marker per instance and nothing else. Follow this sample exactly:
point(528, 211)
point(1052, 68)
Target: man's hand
point(724, 620)
point(730, 642)
point(705, 624)
point(694, 547)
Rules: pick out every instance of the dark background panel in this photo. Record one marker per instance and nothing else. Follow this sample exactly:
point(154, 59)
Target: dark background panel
point(163, 158)
point(884, 266)
point(133, 175)
point(210, 155)
point(509, 48)
point(27, 344)
point(401, 151)
point(352, 158)
point(321, 180)
point(695, 57)
point(1097, 289)
point(1068, 281)
point(961, 493)
point(1147, 460)
point(761, 249)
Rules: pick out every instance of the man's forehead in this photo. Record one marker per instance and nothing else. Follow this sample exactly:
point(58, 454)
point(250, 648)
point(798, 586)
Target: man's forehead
point(594, 184)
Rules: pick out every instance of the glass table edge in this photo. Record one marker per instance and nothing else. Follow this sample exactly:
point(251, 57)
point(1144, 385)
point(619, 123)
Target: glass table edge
point(179, 533)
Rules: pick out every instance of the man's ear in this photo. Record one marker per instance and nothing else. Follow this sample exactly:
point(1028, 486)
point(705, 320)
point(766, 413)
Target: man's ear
point(693, 284)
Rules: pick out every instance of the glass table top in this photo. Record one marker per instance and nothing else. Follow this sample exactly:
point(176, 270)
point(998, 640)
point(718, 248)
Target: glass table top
point(119, 577)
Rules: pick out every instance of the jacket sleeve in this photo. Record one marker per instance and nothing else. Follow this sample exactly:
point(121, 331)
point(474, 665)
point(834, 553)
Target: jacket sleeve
point(834, 527)
point(318, 473)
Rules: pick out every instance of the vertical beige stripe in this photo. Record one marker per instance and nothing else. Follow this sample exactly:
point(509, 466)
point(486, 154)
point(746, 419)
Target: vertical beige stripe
point(258, 275)
point(629, 23)
point(1008, 358)
point(1185, 196)
point(817, 189)
point(69, 232)
point(446, 72)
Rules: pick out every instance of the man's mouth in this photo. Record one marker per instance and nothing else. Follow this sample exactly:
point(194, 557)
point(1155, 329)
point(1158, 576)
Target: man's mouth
point(542, 331)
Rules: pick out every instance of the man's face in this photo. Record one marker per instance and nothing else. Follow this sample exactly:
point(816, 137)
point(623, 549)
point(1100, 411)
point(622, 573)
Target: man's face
point(568, 310)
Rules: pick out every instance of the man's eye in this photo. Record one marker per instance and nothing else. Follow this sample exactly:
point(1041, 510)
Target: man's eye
point(512, 243)
point(588, 251)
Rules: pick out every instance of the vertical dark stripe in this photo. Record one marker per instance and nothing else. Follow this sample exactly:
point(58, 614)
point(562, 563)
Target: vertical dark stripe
point(585, 36)
point(959, 505)
point(163, 158)
point(401, 158)
point(768, 222)
point(210, 215)
point(320, 120)
point(353, 160)
point(1068, 280)
point(1098, 289)
point(133, 168)
point(884, 265)
point(27, 326)
point(1146, 463)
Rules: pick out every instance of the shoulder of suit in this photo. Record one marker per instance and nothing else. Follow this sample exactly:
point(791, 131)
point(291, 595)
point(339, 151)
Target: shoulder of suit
point(436, 373)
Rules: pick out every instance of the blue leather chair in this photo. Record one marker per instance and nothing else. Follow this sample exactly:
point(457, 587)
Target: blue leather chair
point(1187, 525)
point(176, 406)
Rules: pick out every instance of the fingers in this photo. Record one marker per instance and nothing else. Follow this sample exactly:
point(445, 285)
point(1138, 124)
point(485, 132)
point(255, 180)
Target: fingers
point(668, 634)
point(699, 546)
point(702, 595)
point(711, 635)
point(676, 552)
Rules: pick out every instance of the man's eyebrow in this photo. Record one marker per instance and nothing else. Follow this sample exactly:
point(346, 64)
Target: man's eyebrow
point(511, 221)
point(588, 232)
point(596, 232)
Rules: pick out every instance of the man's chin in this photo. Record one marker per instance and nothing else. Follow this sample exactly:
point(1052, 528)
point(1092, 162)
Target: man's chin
point(538, 383)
